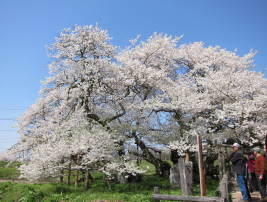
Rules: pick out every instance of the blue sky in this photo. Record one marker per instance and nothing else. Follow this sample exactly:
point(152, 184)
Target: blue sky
point(26, 27)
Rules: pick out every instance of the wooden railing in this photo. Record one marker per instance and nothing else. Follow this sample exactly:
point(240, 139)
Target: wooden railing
point(224, 190)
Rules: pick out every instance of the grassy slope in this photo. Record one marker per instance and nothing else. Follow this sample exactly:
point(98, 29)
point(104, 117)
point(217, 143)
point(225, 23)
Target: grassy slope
point(100, 190)
point(8, 171)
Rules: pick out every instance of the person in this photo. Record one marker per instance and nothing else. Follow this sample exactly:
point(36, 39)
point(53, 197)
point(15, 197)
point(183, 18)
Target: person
point(239, 167)
point(259, 171)
point(253, 186)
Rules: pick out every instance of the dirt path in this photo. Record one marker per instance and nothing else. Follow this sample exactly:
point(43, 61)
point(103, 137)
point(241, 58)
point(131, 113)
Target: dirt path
point(237, 196)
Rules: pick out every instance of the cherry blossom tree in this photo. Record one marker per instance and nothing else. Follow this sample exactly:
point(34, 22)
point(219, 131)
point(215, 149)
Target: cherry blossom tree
point(82, 90)
point(152, 91)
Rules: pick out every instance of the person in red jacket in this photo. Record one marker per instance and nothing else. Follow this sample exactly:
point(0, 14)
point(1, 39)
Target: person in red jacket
point(259, 171)
point(253, 185)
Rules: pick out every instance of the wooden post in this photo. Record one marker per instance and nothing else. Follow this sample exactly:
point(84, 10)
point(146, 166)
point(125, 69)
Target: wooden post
point(156, 191)
point(186, 198)
point(201, 167)
point(222, 161)
point(186, 176)
point(222, 158)
point(224, 188)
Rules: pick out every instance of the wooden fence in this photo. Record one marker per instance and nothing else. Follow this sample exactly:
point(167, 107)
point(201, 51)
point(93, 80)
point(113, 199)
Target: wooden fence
point(223, 187)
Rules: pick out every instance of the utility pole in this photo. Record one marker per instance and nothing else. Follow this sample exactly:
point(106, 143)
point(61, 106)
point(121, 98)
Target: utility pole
point(201, 167)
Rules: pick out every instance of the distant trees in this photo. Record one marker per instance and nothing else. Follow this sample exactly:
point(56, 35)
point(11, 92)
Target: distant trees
point(99, 97)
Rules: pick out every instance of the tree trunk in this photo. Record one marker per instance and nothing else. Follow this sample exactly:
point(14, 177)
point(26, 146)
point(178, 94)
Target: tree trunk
point(88, 179)
point(162, 167)
point(69, 174)
point(77, 179)
point(61, 177)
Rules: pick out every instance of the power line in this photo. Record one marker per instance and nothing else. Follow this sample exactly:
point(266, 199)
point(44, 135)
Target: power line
point(8, 130)
point(8, 134)
point(16, 105)
point(12, 109)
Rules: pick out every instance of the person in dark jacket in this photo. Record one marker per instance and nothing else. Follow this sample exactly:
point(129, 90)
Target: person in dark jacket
point(239, 167)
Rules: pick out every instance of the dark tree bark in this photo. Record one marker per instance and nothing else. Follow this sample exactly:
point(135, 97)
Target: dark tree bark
point(162, 167)
point(61, 177)
point(69, 174)
point(88, 179)
point(77, 179)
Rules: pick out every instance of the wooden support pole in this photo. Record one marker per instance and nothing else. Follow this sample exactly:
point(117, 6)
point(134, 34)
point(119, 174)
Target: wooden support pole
point(186, 176)
point(201, 167)
point(156, 191)
point(224, 188)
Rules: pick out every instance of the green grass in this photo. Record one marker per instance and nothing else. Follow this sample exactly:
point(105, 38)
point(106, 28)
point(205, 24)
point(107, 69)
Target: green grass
point(9, 170)
point(100, 189)
point(148, 167)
